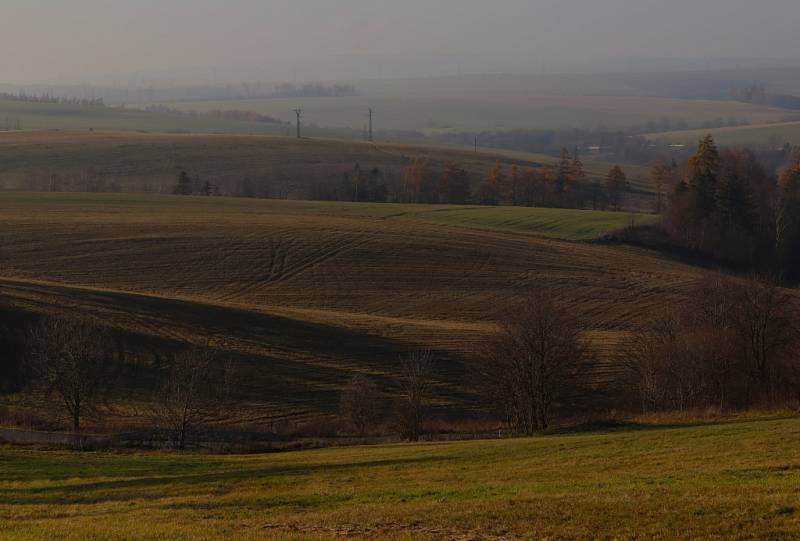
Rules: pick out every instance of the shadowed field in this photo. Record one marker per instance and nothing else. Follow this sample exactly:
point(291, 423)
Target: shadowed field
point(308, 294)
point(735, 480)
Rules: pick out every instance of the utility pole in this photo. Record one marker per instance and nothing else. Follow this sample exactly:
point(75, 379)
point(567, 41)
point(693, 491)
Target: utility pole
point(476, 144)
point(299, 113)
point(370, 125)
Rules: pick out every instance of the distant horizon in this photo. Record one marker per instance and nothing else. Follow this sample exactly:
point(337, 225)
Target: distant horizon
point(200, 77)
point(209, 42)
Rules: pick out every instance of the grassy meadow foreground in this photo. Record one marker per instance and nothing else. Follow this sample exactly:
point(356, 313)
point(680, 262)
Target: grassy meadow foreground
point(733, 480)
point(305, 295)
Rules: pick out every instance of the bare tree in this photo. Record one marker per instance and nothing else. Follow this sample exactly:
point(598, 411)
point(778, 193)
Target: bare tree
point(194, 392)
point(647, 356)
point(732, 342)
point(73, 361)
point(767, 329)
point(415, 390)
point(525, 367)
point(711, 333)
point(666, 364)
point(359, 404)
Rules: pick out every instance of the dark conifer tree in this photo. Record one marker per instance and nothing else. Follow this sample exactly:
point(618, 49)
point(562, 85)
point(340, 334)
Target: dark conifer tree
point(184, 186)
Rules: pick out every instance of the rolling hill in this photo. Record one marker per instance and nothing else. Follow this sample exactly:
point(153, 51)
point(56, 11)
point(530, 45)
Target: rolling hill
point(443, 114)
point(305, 295)
point(16, 115)
point(283, 166)
point(759, 135)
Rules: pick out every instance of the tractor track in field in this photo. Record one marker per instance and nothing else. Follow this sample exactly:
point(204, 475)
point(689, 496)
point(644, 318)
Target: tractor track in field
point(282, 269)
point(308, 296)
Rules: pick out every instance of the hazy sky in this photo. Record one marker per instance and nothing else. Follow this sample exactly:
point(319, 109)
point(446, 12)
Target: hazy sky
point(58, 40)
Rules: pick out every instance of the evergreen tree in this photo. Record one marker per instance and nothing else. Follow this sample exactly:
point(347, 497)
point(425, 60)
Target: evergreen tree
point(579, 188)
point(703, 175)
point(787, 222)
point(512, 190)
point(360, 188)
point(454, 185)
point(184, 186)
point(563, 174)
point(661, 175)
point(734, 196)
point(376, 191)
point(616, 185)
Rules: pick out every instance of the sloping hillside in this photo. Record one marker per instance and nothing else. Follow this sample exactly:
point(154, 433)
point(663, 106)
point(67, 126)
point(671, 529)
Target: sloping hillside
point(280, 166)
point(307, 294)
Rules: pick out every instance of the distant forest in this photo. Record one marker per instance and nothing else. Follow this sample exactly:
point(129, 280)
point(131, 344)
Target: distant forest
point(317, 90)
point(47, 98)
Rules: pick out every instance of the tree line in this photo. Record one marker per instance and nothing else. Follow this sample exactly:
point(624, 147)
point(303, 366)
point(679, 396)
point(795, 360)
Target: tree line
point(71, 368)
point(731, 207)
point(565, 185)
point(730, 344)
point(235, 115)
point(313, 90)
point(47, 98)
point(733, 344)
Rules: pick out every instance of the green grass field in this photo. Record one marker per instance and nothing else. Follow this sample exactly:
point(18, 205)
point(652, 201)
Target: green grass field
point(763, 135)
point(458, 114)
point(306, 295)
point(730, 480)
point(555, 223)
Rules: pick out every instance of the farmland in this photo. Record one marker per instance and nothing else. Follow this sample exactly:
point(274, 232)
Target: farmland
point(732, 480)
point(761, 135)
point(287, 166)
point(306, 295)
point(15, 115)
point(457, 114)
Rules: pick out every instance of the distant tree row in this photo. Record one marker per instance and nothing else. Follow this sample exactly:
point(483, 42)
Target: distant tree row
point(733, 345)
point(564, 186)
point(188, 186)
point(758, 95)
point(235, 115)
point(47, 98)
point(313, 90)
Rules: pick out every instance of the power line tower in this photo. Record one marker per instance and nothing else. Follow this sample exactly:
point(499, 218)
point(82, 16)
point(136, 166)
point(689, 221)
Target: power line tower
point(299, 113)
point(371, 139)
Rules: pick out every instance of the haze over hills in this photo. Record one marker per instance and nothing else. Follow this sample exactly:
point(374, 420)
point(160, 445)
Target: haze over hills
point(712, 80)
point(368, 269)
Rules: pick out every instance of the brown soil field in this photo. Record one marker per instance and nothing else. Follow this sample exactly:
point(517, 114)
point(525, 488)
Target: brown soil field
point(305, 295)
